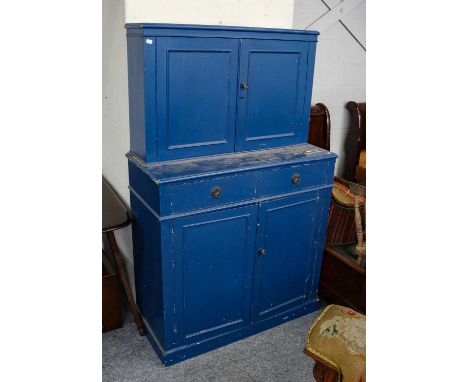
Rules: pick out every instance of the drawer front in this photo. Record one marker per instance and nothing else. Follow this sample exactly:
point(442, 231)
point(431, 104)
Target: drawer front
point(292, 178)
point(208, 193)
point(245, 186)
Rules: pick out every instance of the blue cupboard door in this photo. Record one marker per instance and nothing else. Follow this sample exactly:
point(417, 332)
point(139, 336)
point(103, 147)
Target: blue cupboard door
point(284, 249)
point(196, 85)
point(213, 272)
point(272, 89)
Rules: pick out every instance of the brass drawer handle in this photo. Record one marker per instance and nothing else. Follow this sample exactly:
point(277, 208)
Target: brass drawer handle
point(295, 178)
point(216, 192)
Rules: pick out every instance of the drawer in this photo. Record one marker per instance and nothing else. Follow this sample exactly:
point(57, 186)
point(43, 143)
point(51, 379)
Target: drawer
point(292, 178)
point(208, 193)
point(217, 191)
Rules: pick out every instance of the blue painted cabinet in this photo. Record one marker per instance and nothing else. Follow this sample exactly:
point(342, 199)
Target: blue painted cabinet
point(197, 91)
point(229, 203)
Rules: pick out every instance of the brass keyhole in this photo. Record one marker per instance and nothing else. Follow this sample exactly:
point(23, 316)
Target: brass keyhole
point(245, 85)
point(262, 252)
point(216, 192)
point(295, 178)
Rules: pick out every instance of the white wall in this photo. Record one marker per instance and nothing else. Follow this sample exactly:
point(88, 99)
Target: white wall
point(258, 13)
point(340, 64)
point(115, 128)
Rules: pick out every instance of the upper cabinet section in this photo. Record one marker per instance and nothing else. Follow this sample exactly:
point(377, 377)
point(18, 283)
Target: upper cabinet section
point(198, 91)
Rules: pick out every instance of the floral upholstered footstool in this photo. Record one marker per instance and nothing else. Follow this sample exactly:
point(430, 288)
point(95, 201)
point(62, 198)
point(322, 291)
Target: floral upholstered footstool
point(337, 343)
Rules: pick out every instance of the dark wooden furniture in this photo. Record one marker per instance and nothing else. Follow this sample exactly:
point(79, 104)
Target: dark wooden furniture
point(115, 216)
point(111, 307)
point(355, 141)
point(323, 371)
point(319, 126)
point(342, 280)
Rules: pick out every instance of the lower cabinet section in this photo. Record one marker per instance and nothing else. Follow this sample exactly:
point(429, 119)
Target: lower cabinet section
point(221, 255)
point(211, 278)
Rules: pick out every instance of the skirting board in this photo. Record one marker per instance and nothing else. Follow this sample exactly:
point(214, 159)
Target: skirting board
point(191, 350)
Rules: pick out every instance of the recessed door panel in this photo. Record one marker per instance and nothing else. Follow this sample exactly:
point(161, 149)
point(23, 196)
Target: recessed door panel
point(196, 97)
point(285, 245)
point(272, 86)
point(214, 265)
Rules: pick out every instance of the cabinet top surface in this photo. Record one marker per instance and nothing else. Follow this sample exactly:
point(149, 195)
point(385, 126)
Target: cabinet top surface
point(163, 172)
point(149, 29)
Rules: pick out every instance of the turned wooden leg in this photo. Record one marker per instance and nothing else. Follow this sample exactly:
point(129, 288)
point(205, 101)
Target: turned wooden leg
point(124, 280)
point(324, 374)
